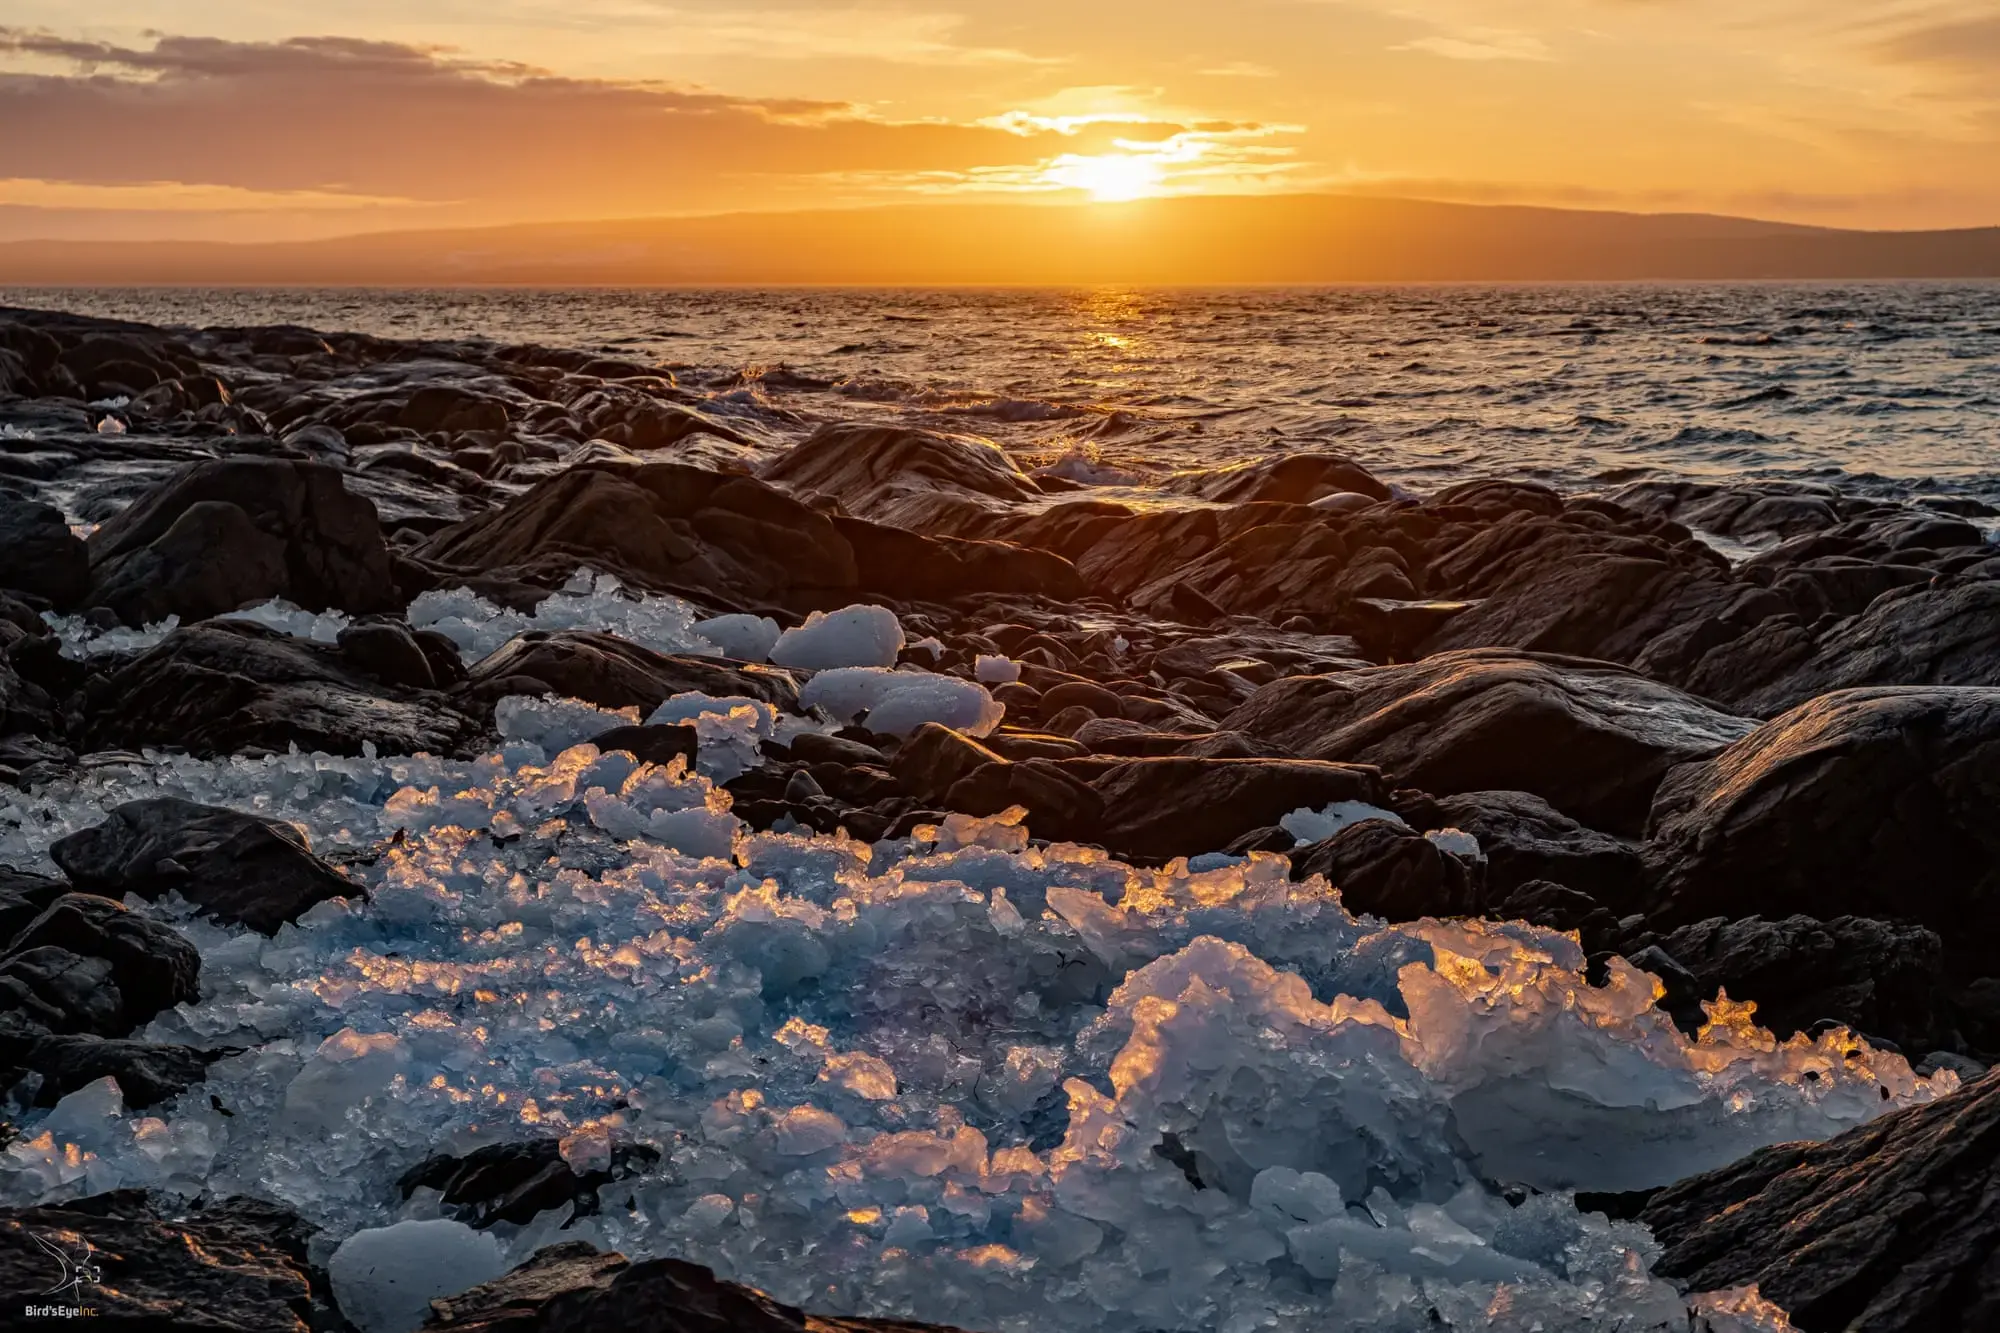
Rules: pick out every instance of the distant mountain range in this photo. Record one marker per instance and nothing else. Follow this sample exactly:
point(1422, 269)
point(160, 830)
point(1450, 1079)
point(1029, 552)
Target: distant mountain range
point(1207, 240)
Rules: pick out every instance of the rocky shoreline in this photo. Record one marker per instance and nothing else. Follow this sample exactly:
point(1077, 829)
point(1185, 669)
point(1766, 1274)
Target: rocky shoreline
point(1744, 736)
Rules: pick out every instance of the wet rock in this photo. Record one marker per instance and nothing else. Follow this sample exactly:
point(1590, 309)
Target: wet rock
point(815, 748)
point(572, 1288)
point(1881, 978)
point(1526, 839)
point(239, 869)
point(1097, 700)
point(220, 533)
point(23, 897)
point(1061, 803)
point(653, 745)
point(732, 539)
point(150, 967)
point(1934, 635)
point(1556, 906)
point(223, 687)
point(908, 566)
point(1157, 809)
point(914, 479)
point(513, 1182)
point(39, 555)
point(231, 1266)
point(1869, 803)
point(1392, 872)
point(613, 673)
point(1591, 739)
point(1888, 1228)
point(1291, 479)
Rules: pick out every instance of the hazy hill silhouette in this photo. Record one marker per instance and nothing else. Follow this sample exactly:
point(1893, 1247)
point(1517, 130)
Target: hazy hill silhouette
point(1270, 239)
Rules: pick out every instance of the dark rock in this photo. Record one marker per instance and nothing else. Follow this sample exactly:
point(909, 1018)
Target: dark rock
point(653, 745)
point(935, 758)
point(1391, 872)
point(223, 532)
point(1291, 479)
point(147, 1073)
point(1881, 978)
point(146, 967)
point(1555, 906)
point(1526, 839)
point(1933, 635)
point(222, 687)
point(1157, 809)
point(1869, 803)
point(513, 1182)
point(1061, 804)
point(571, 1288)
point(611, 672)
point(230, 1266)
point(23, 897)
point(813, 747)
point(732, 539)
point(240, 869)
point(914, 479)
point(1888, 1228)
point(389, 652)
point(1082, 694)
point(1591, 739)
point(908, 566)
point(39, 555)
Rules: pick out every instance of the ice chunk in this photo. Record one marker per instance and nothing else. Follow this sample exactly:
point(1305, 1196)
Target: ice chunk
point(81, 639)
point(280, 615)
point(743, 637)
point(1458, 842)
point(855, 636)
point(991, 670)
point(1309, 826)
point(898, 702)
point(386, 1278)
point(554, 723)
point(588, 601)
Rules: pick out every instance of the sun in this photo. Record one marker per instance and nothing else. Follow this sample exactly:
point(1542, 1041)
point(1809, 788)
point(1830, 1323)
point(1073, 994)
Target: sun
point(1110, 177)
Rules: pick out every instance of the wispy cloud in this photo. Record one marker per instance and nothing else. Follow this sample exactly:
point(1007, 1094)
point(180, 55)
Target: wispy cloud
point(1480, 44)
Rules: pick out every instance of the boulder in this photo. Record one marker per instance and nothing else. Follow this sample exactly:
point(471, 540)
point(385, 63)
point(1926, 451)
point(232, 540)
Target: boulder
point(611, 672)
point(733, 540)
point(1290, 479)
point(1881, 978)
point(1526, 839)
point(513, 1182)
point(934, 758)
point(1157, 809)
point(1591, 739)
point(134, 968)
point(39, 555)
point(1873, 803)
point(147, 1073)
point(239, 869)
point(572, 1288)
point(228, 1266)
point(1389, 871)
point(915, 479)
point(223, 532)
point(225, 686)
point(1889, 1228)
point(908, 566)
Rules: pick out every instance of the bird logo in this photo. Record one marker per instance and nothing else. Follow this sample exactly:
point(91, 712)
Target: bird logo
point(77, 1272)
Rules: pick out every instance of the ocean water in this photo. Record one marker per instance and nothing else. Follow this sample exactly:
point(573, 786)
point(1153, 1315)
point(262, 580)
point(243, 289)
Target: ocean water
point(1886, 388)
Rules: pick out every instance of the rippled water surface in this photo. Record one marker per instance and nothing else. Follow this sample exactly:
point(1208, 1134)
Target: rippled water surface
point(1885, 387)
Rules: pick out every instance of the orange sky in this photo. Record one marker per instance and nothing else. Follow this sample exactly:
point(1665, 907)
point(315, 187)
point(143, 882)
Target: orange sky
point(274, 119)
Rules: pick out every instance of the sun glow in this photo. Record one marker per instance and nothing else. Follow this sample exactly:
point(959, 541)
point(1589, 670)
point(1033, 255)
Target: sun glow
point(1109, 177)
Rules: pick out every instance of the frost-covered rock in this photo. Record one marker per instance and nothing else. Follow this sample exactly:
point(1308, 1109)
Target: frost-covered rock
point(855, 636)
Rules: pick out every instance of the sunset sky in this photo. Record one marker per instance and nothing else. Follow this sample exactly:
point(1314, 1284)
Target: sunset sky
point(272, 119)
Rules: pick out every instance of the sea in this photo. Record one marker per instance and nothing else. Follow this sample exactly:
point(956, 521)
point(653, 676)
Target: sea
point(1888, 388)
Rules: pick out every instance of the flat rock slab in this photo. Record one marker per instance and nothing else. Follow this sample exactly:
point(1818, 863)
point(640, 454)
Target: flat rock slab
point(1890, 1228)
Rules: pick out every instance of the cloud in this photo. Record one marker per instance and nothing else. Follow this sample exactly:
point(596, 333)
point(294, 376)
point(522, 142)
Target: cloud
point(1970, 45)
point(899, 36)
point(1240, 69)
point(317, 116)
point(1481, 44)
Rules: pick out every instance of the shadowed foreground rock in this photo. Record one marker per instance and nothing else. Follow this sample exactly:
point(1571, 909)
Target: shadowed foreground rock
point(571, 1288)
point(1891, 1228)
point(239, 1264)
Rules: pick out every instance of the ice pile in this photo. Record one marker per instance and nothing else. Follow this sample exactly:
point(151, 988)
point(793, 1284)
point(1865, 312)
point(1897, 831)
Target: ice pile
point(588, 601)
point(956, 1077)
